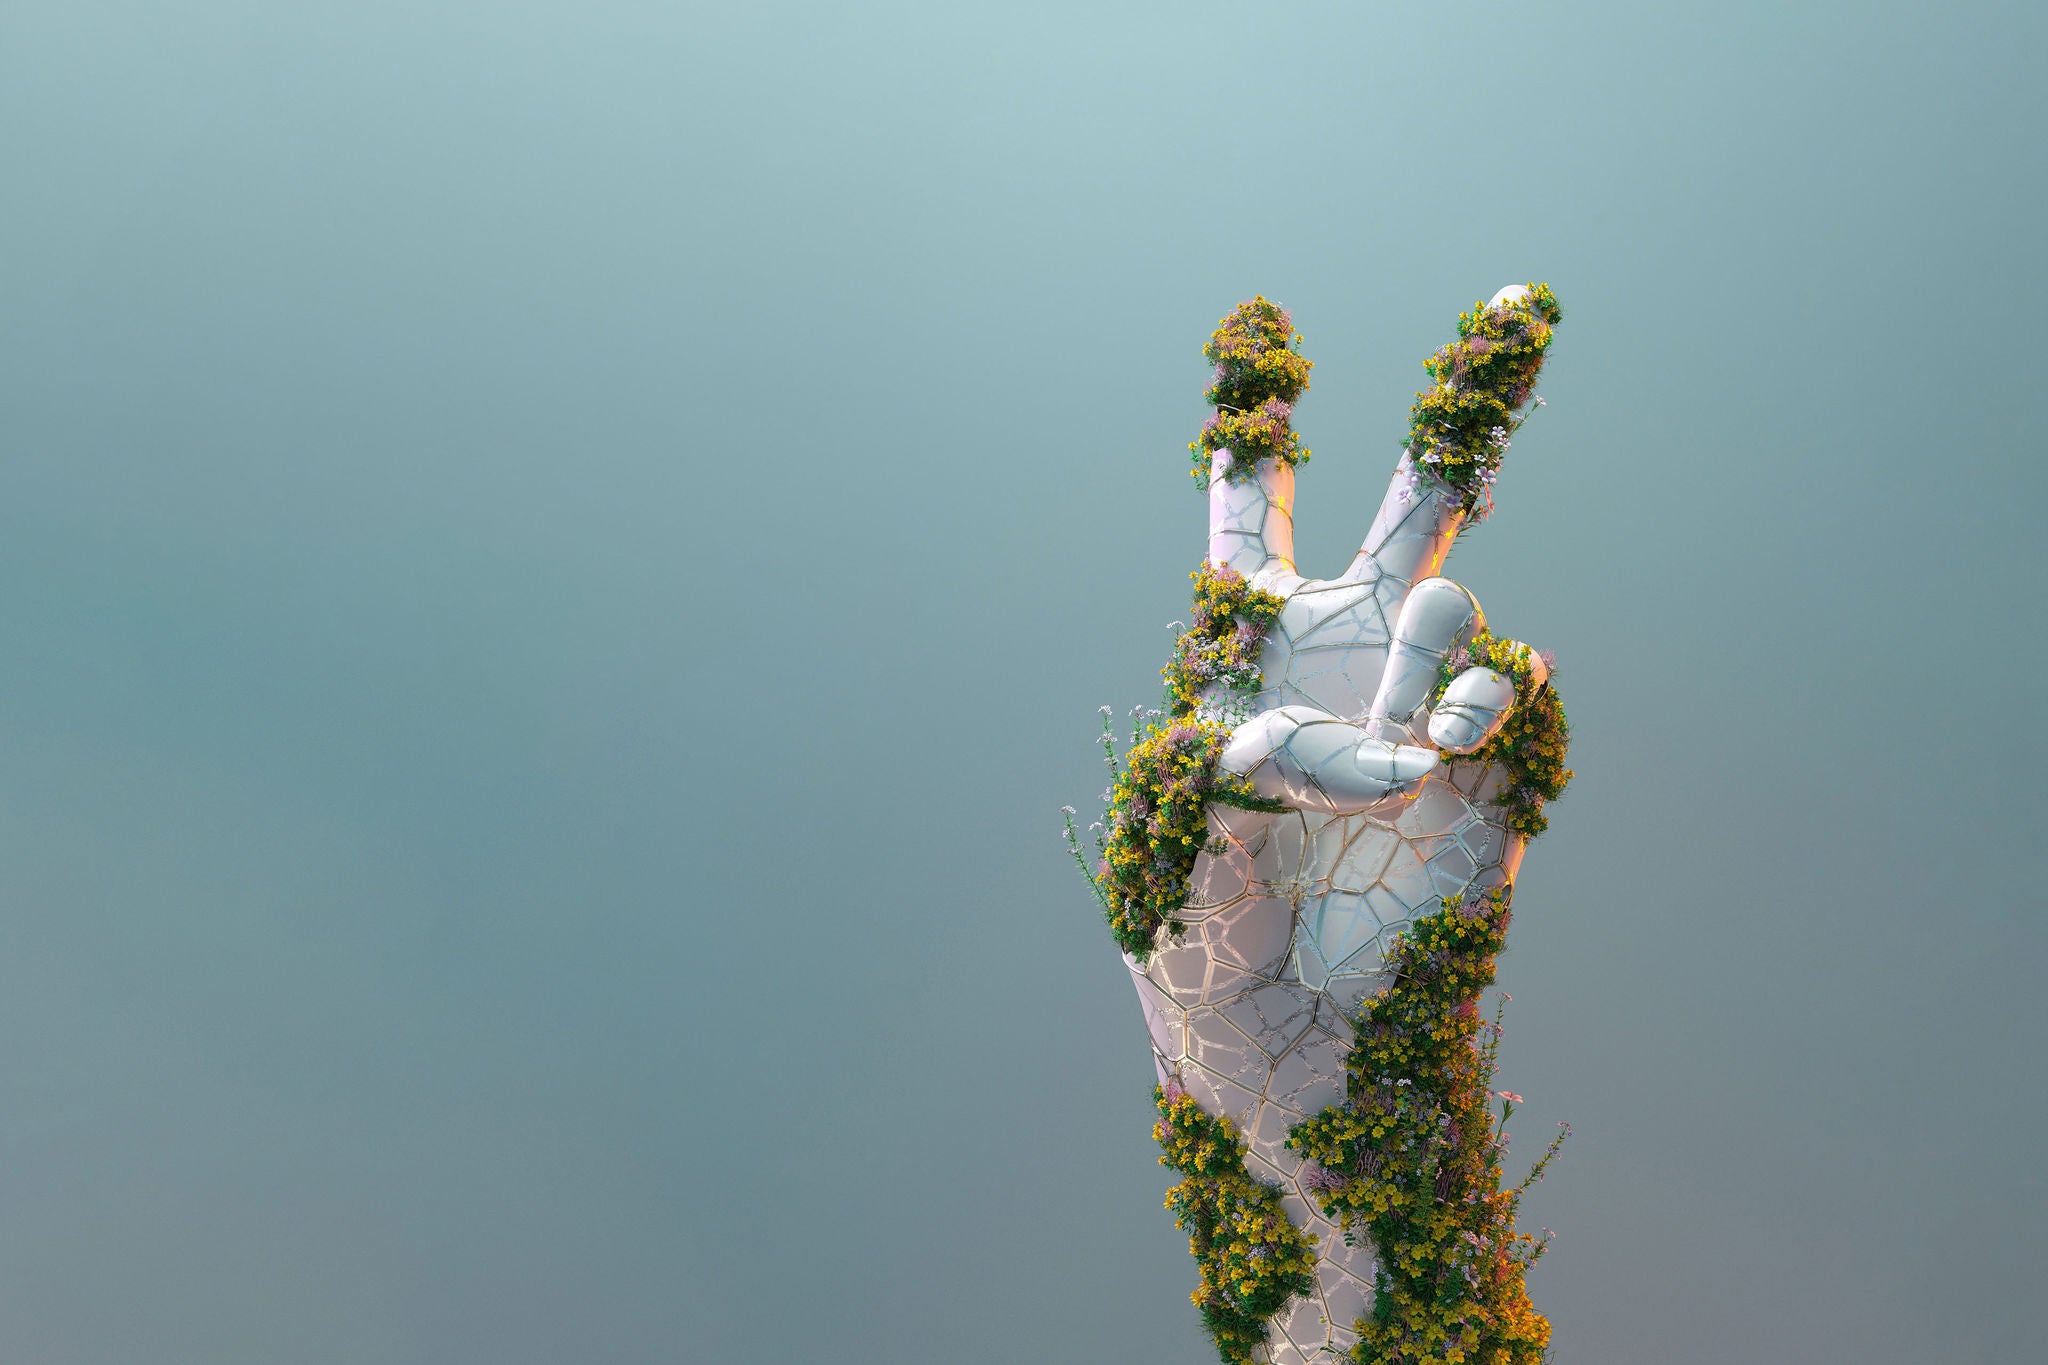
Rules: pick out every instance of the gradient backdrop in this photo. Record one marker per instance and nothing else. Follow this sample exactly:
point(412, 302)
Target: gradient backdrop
point(559, 561)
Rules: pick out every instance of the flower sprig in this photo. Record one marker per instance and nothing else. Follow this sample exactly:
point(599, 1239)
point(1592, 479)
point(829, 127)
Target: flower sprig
point(1460, 428)
point(1250, 1256)
point(1531, 744)
point(1258, 375)
point(1412, 1156)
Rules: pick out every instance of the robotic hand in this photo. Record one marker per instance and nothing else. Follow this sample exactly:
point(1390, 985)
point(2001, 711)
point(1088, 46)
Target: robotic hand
point(1251, 1009)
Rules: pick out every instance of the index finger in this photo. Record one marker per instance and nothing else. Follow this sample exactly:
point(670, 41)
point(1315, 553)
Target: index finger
point(1458, 431)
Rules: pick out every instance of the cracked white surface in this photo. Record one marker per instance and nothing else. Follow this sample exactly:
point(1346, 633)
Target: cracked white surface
point(1290, 921)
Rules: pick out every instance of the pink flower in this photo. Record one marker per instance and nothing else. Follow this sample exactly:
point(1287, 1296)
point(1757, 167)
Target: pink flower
point(1510, 1096)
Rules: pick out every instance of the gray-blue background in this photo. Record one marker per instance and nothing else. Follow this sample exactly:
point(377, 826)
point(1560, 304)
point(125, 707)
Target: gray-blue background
point(556, 562)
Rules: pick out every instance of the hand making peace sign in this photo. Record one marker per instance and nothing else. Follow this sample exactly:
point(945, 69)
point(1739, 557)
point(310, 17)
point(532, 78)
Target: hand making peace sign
point(1252, 989)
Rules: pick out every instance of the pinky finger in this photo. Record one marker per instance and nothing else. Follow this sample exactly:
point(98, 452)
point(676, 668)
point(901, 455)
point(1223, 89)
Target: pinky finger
point(1476, 705)
point(1473, 709)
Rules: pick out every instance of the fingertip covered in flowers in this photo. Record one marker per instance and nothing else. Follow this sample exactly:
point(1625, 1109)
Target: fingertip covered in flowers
point(1460, 428)
point(1257, 375)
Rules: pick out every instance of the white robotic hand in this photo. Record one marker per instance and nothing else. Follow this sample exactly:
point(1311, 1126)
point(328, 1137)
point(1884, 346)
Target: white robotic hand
point(1251, 1008)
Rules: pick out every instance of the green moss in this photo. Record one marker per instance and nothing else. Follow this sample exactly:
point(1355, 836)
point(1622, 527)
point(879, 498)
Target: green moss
point(1459, 428)
point(1252, 1259)
point(1531, 744)
point(1157, 821)
point(1412, 1156)
point(1259, 373)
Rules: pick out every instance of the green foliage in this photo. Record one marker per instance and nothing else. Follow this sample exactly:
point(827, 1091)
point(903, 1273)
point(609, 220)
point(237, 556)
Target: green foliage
point(1158, 824)
point(1531, 744)
point(1257, 355)
point(1220, 651)
point(1157, 821)
point(1251, 1258)
point(1412, 1157)
point(1459, 428)
point(1259, 373)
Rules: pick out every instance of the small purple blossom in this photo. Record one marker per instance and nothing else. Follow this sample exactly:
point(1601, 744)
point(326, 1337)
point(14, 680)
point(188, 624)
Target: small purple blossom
point(1314, 1177)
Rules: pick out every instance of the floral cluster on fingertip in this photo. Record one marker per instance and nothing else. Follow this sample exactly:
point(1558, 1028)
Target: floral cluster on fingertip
point(1460, 428)
point(1257, 375)
point(1412, 1155)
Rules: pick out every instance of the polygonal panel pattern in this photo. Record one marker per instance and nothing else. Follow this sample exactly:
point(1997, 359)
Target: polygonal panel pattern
point(1290, 916)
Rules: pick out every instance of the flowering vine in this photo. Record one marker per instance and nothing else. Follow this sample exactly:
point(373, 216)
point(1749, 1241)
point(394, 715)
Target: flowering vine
point(1461, 427)
point(1530, 745)
point(1157, 819)
point(1412, 1156)
point(1252, 1259)
point(1259, 373)
point(1216, 660)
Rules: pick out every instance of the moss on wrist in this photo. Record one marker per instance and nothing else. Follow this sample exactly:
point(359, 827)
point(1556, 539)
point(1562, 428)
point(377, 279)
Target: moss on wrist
point(1412, 1156)
point(1252, 1259)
